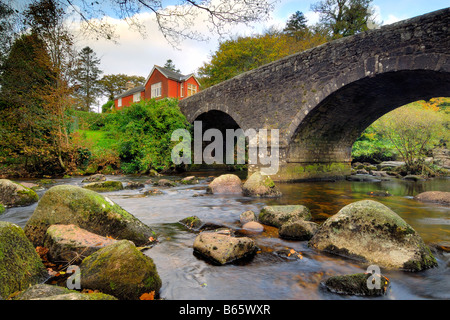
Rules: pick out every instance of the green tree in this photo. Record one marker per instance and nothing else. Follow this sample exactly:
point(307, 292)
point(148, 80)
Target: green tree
point(87, 75)
point(114, 84)
point(344, 17)
point(171, 66)
point(297, 22)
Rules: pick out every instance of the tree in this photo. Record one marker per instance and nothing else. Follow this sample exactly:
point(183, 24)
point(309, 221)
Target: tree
point(8, 19)
point(344, 17)
point(87, 75)
point(112, 85)
point(297, 22)
point(171, 66)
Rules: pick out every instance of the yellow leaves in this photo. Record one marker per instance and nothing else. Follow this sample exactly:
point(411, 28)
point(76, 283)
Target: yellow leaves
point(148, 296)
point(298, 254)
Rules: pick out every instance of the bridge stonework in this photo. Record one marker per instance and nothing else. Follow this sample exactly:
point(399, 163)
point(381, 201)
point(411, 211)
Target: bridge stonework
point(322, 99)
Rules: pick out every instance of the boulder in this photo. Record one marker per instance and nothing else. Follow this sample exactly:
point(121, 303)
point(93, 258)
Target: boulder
point(391, 164)
point(134, 185)
point(20, 265)
point(276, 216)
point(434, 196)
point(357, 284)
point(165, 183)
point(223, 248)
point(253, 226)
point(121, 270)
point(70, 244)
point(104, 186)
point(152, 192)
point(298, 229)
point(52, 292)
point(14, 194)
point(193, 223)
point(412, 177)
point(66, 204)
point(247, 216)
point(258, 185)
point(95, 178)
point(225, 184)
point(372, 233)
point(189, 180)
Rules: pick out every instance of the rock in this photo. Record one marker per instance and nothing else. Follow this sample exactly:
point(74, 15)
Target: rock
point(66, 204)
point(121, 270)
point(152, 192)
point(70, 244)
point(277, 215)
point(189, 180)
point(362, 171)
point(434, 196)
point(370, 232)
point(413, 178)
point(193, 222)
point(166, 183)
point(383, 174)
point(20, 265)
point(105, 186)
point(441, 157)
point(14, 194)
point(356, 284)
point(258, 185)
point(225, 184)
point(392, 164)
point(247, 216)
point(223, 248)
point(52, 292)
point(134, 185)
point(154, 173)
point(298, 229)
point(253, 226)
point(95, 178)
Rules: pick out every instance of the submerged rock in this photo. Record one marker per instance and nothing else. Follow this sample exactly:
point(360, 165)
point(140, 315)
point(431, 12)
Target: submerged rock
point(20, 265)
point(71, 244)
point(105, 186)
point(357, 284)
point(223, 248)
point(370, 232)
point(14, 194)
point(434, 196)
point(258, 185)
point(121, 270)
point(276, 216)
point(225, 184)
point(66, 204)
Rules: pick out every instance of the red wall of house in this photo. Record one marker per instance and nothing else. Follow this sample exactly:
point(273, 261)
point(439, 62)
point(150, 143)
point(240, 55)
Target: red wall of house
point(155, 78)
point(191, 80)
point(126, 101)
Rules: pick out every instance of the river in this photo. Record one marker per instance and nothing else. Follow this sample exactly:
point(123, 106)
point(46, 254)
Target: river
point(270, 275)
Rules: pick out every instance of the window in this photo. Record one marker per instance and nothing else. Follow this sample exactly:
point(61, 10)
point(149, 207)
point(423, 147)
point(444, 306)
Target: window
point(182, 90)
point(137, 97)
point(119, 103)
point(156, 90)
point(192, 89)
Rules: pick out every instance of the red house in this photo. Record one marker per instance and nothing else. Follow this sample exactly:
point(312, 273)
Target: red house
point(161, 83)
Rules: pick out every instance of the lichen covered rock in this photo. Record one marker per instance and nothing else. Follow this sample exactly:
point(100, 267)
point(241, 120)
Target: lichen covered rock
point(258, 185)
point(357, 284)
point(276, 216)
point(20, 265)
point(95, 178)
point(86, 209)
point(120, 270)
point(370, 232)
point(193, 223)
point(14, 194)
point(434, 196)
point(104, 186)
point(223, 248)
point(53, 292)
point(298, 229)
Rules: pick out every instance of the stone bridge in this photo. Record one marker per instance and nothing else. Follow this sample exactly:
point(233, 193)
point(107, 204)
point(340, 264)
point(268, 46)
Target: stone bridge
point(322, 99)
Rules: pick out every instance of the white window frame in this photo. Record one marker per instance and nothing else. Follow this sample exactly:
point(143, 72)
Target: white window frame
point(137, 97)
point(182, 90)
point(119, 102)
point(156, 90)
point(192, 89)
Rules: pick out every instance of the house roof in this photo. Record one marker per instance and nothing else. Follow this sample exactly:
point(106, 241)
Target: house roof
point(131, 91)
point(170, 74)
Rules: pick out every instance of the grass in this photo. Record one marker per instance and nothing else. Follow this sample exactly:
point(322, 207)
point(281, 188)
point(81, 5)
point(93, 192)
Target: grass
point(98, 139)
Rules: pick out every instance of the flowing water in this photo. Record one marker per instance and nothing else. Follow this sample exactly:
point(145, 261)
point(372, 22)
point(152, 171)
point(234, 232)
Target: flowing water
point(271, 274)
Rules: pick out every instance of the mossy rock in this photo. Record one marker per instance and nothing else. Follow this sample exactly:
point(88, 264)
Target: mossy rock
point(67, 204)
point(14, 194)
point(193, 223)
point(276, 216)
point(121, 270)
point(104, 186)
point(95, 178)
point(357, 284)
point(298, 229)
point(20, 265)
point(2, 209)
point(258, 185)
point(53, 292)
point(371, 233)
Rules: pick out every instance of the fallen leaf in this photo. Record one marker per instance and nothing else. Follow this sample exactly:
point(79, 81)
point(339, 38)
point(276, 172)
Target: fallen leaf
point(148, 296)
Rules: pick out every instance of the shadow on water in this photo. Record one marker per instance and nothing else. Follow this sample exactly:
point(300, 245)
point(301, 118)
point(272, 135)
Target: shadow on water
point(270, 273)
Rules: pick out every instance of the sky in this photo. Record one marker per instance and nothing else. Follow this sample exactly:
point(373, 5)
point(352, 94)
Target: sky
point(136, 55)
